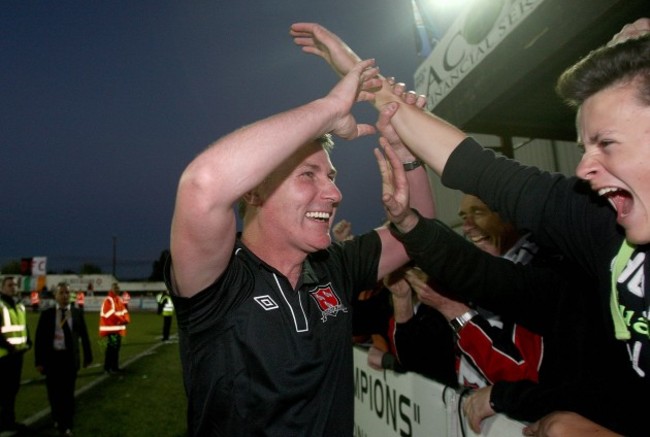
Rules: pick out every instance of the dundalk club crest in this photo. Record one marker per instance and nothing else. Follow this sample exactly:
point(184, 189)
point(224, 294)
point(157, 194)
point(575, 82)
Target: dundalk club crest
point(328, 301)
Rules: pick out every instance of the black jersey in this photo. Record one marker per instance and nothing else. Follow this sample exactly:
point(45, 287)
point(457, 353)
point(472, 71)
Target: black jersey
point(260, 358)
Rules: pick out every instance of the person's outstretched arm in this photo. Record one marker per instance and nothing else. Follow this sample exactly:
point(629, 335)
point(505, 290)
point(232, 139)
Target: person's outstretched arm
point(204, 223)
point(420, 196)
point(429, 137)
point(317, 40)
point(395, 189)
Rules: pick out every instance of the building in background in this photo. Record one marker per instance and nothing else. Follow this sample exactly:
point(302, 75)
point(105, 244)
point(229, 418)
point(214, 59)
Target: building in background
point(95, 288)
point(492, 72)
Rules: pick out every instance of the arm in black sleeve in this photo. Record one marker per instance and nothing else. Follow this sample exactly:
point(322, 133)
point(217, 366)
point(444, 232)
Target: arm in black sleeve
point(562, 212)
point(425, 344)
point(599, 400)
point(519, 293)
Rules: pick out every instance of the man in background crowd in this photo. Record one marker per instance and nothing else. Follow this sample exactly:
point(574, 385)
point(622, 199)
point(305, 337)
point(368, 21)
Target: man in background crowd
point(60, 330)
point(166, 310)
point(113, 318)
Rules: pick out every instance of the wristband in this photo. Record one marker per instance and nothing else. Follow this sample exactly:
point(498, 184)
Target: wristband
point(460, 321)
point(412, 165)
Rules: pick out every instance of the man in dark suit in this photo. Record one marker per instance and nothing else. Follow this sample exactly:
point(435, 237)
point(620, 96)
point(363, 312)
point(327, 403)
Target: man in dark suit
point(58, 334)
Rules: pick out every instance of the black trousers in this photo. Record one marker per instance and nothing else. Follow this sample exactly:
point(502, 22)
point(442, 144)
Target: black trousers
point(112, 356)
point(167, 325)
point(60, 379)
point(11, 367)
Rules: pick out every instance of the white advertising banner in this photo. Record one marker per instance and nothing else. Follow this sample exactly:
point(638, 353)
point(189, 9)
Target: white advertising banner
point(389, 404)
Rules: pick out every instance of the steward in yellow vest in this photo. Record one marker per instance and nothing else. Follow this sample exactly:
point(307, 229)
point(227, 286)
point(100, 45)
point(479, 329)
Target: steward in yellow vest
point(14, 342)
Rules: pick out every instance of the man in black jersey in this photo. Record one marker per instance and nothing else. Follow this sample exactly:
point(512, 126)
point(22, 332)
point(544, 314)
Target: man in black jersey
point(264, 317)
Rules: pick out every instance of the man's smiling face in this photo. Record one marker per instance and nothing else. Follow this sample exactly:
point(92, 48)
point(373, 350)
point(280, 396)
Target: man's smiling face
point(300, 200)
point(484, 227)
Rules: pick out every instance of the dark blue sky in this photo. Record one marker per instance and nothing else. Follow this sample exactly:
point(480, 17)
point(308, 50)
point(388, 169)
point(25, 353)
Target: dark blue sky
point(104, 103)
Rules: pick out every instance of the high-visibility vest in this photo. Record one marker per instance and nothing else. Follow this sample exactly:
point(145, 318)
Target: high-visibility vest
point(14, 326)
point(81, 299)
point(168, 306)
point(113, 316)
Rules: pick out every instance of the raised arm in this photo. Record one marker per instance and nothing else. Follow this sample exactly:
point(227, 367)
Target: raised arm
point(421, 195)
point(203, 226)
point(429, 137)
point(398, 176)
point(396, 199)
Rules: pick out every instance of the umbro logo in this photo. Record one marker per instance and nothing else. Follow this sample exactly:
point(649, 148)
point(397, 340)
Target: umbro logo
point(266, 302)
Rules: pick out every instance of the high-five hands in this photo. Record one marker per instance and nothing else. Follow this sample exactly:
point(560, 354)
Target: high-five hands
point(317, 40)
point(395, 188)
point(354, 87)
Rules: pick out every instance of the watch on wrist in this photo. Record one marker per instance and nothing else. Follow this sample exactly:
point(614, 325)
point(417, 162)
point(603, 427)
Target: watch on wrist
point(412, 165)
point(460, 321)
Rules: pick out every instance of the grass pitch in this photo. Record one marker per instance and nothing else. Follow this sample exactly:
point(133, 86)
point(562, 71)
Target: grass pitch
point(146, 400)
